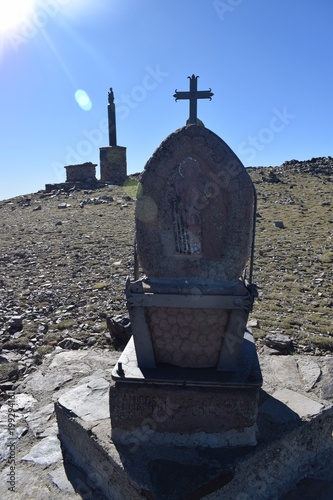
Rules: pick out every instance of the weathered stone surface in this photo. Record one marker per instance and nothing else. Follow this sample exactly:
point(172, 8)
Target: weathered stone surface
point(202, 225)
point(4, 440)
point(80, 367)
point(293, 407)
point(70, 343)
point(327, 390)
point(279, 341)
point(24, 401)
point(46, 452)
point(38, 420)
point(120, 329)
point(281, 372)
point(226, 415)
point(60, 479)
point(113, 164)
point(88, 401)
point(49, 382)
point(309, 370)
point(273, 470)
point(28, 486)
point(81, 172)
point(328, 368)
point(194, 232)
point(279, 224)
point(190, 337)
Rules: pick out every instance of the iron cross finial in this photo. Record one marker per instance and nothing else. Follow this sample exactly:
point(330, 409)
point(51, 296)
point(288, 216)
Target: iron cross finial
point(193, 95)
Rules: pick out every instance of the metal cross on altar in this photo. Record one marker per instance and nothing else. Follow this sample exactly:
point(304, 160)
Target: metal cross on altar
point(193, 95)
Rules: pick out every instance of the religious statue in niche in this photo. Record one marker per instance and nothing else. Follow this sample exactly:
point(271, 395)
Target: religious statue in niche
point(190, 197)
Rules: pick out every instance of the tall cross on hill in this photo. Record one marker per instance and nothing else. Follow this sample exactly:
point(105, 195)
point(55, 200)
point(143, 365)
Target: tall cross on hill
point(193, 95)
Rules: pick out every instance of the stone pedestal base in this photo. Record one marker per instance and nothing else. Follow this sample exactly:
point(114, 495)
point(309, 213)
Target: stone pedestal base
point(186, 407)
point(113, 164)
point(209, 417)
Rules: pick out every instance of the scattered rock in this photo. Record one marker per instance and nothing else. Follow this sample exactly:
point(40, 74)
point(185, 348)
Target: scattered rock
point(6, 386)
point(108, 337)
point(15, 324)
point(119, 328)
point(96, 201)
point(70, 343)
point(272, 178)
point(253, 323)
point(279, 342)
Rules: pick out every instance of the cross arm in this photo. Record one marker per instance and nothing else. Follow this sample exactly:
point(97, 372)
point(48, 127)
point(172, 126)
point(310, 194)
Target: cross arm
point(204, 94)
point(181, 95)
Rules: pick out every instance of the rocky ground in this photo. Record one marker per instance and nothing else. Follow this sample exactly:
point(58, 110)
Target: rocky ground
point(301, 387)
point(64, 259)
point(294, 252)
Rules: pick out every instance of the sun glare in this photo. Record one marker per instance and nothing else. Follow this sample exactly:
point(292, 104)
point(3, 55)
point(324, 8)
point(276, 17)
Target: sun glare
point(14, 12)
point(83, 100)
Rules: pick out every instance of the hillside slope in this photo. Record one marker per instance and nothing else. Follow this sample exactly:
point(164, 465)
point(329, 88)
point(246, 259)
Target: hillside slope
point(64, 258)
point(293, 264)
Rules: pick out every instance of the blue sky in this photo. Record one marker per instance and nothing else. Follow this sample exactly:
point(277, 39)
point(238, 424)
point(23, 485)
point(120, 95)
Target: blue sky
point(268, 63)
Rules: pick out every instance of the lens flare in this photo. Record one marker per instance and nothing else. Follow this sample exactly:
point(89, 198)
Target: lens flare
point(83, 100)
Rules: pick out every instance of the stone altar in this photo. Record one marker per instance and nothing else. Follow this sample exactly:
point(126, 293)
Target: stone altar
point(191, 353)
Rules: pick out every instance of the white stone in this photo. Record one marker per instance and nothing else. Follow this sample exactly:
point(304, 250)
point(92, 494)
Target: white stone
point(88, 401)
point(309, 371)
point(282, 371)
point(24, 401)
point(302, 405)
point(60, 479)
point(46, 452)
point(39, 419)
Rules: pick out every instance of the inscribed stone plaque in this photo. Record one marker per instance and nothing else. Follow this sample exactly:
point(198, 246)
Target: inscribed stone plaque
point(183, 410)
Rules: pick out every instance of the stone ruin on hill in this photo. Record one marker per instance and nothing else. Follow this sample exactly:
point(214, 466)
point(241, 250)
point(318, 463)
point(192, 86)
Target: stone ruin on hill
point(113, 163)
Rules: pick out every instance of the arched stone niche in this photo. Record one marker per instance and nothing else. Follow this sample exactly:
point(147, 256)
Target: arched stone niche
point(195, 209)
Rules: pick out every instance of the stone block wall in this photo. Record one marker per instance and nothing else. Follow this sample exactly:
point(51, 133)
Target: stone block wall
point(113, 164)
point(81, 173)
